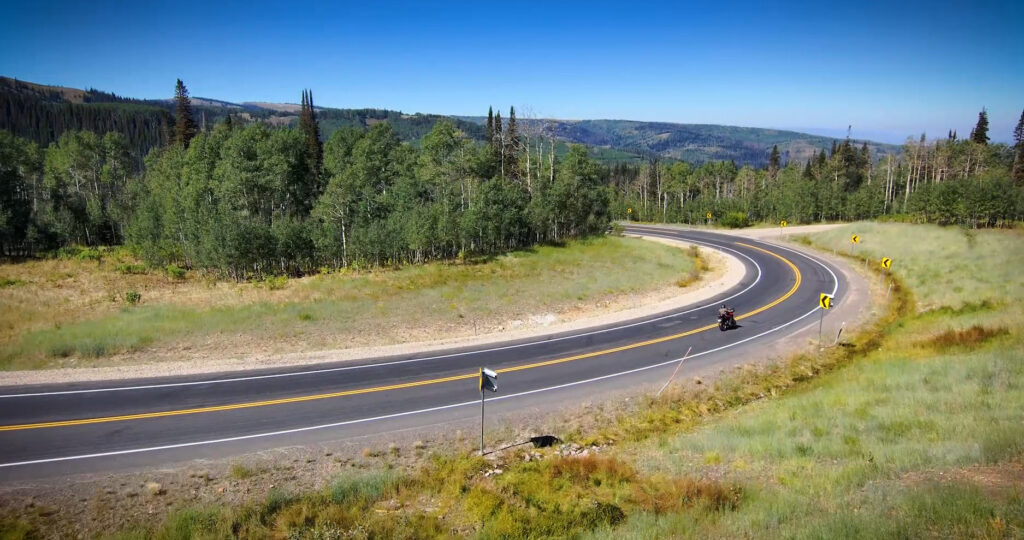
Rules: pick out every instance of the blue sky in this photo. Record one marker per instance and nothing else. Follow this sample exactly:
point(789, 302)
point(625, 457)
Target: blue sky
point(888, 69)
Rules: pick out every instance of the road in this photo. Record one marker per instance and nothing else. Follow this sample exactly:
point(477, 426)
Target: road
point(56, 430)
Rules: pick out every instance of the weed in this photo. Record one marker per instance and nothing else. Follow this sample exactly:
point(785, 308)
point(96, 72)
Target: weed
point(175, 272)
point(970, 337)
point(132, 297)
point(8, 282)
point(241, 472)
point(131, 269)
point(365, 488)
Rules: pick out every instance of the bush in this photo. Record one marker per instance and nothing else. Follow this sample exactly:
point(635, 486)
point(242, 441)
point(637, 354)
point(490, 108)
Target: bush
point(366, 488)
point(175, 272)
point(275, 283)
point(131, 269)
point(736, 220)
point(132, 297)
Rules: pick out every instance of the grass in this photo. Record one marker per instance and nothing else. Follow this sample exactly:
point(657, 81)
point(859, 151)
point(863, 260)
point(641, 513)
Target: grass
point(913, 429)
point(882, 447)
point(78, 306)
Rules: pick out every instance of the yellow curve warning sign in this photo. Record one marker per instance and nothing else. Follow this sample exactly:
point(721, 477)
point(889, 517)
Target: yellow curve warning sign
point(825, 301)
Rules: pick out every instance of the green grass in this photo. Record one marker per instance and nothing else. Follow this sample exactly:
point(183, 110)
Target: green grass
point(330, 311)
point(871, 450)
point(911, 430)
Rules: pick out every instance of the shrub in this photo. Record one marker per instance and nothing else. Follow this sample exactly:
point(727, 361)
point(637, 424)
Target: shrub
point(366, 488)
point(7, 282)
point(275, 283)
point(131, 269)
point(132, 297)
point(736, 220)
point(175, 272)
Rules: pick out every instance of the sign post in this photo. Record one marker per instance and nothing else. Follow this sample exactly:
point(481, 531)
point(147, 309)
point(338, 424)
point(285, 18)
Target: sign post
point(629, 214)
point(782, 225)
point(488, 381)
point(854, 240)
point(708, 215)
point(824, 302)
point(886, 265)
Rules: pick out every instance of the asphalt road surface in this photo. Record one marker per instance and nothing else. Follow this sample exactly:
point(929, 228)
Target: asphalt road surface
point(51, 430)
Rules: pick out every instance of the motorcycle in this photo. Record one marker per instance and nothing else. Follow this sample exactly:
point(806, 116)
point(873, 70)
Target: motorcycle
point(726, 319)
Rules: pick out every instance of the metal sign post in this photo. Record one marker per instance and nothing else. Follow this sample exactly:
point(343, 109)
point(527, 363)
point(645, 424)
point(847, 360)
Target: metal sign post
point(824, 302)
point(488, 381)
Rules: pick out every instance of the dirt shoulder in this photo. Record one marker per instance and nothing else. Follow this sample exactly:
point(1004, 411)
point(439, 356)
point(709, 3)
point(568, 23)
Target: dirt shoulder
point(725, 272)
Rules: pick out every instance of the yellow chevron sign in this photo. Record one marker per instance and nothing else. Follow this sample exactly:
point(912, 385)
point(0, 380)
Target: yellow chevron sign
point(855, 239)
point(825, 301)
point(709, 215)
point(782, 223)
point(886, 263)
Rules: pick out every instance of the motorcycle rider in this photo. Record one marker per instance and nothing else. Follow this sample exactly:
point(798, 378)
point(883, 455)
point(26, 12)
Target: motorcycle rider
point(723, 311)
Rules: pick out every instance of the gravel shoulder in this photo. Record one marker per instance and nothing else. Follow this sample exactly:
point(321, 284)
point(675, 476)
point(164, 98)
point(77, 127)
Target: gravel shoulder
point(725, 272)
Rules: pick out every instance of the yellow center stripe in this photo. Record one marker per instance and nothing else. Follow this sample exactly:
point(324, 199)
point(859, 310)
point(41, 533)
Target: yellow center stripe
point(300, 399)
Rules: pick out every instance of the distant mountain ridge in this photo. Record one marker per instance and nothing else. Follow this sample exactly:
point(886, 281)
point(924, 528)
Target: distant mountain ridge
point(41, 113)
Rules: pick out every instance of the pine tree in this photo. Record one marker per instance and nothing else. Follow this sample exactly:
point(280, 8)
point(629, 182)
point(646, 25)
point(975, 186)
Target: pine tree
point(511, 155)
point(311, 131)
point(1018, 151)
point(833, 152)
point(774, 162)
point(980, 132)
point(490, 126)
point(185, 124)
point(498, 148)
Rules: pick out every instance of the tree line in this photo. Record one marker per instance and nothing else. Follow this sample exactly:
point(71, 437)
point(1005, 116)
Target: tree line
point(244, 199)
point(947, 181)
point(247, 200)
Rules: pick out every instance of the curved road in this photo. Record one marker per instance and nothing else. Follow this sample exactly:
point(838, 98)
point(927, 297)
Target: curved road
point(89, 427)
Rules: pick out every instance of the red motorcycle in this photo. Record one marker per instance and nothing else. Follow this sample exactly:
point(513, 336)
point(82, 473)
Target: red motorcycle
point(726, 318)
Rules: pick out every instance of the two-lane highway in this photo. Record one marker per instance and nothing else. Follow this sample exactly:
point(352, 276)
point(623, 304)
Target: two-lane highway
point(58, 429)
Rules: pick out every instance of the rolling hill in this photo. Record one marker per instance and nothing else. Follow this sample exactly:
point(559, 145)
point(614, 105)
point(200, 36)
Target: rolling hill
point(41, 113)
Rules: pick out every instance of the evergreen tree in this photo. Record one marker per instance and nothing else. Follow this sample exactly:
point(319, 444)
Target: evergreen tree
point(774, 162)
point(490, 126)
point(311, 131)
point(1018, 151)
point(511, 155)
point(980, 132)
point(184, 123)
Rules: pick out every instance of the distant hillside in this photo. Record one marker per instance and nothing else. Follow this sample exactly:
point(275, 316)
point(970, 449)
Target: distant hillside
point(42, 113)
point(695, 143)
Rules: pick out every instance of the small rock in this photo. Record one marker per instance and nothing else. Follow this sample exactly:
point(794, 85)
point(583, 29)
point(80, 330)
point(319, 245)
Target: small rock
point(154, 489)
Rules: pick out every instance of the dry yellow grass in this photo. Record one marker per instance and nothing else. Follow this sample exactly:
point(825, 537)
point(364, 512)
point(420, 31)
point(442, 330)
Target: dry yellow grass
point(77, 312)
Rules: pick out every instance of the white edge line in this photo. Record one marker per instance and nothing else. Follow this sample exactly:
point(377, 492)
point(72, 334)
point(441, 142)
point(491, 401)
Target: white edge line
point(410, 360)
point(420, 411)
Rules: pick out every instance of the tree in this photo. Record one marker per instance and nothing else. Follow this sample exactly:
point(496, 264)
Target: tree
point(774, 162)
point(490, 126)
point(1018, 151)
point(184, 123)
point(311, 131)
point(980, 132)
point(511, 152)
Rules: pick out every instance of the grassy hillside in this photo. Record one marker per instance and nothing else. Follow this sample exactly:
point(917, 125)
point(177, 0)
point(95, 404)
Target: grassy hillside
point(911, 430)
point(697, 143)
point(79, 310)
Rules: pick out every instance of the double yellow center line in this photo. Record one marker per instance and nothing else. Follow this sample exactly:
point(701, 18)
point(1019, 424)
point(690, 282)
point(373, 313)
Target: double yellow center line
point(300, 399)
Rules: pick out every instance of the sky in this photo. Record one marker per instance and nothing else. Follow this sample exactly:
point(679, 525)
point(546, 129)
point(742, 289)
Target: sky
point(887, 69)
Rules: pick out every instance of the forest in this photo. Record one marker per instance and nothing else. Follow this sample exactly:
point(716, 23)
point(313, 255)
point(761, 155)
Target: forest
point(243, 198)
point(246, 199)
point(949, 181)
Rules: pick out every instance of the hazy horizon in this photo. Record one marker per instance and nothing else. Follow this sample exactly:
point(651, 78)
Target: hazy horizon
point(888, 71)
